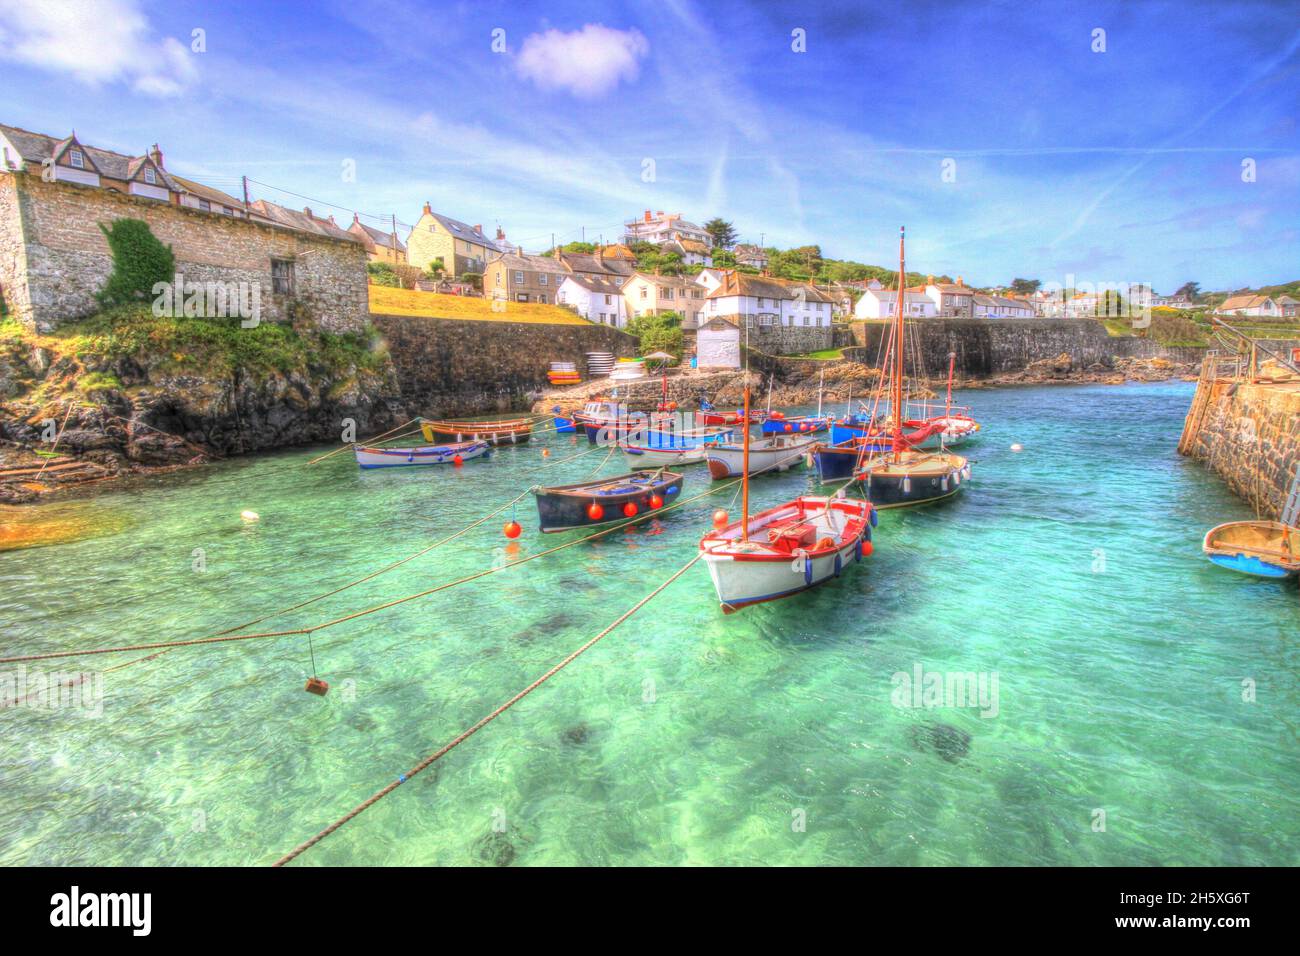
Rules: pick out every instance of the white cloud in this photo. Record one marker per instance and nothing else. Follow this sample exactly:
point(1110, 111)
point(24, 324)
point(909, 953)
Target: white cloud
point(588, 62)
point(96, 41)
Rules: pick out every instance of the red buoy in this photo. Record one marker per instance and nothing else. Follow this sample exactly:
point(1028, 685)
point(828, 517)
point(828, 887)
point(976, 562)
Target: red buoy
point(546, 453)
point(630, 509)
point(787, 426)
point(656, 501)
point(513, 529)
point(719, 518)
point(458, 461)
point(867, 547)
point(595, 512)
point(317, 686)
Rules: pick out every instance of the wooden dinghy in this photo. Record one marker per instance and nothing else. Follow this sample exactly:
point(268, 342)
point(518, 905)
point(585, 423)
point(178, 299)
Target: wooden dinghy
point(1266, 549)
point(657, 448)
point(378, 457)
point(590, 503)
point(779, 453)
point(514, 431)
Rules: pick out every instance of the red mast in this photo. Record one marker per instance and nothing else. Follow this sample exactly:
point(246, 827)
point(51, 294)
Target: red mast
point(897, 399)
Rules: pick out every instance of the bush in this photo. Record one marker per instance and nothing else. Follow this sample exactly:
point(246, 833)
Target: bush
point(381, 273)
point(659, 333)
point(139, 262)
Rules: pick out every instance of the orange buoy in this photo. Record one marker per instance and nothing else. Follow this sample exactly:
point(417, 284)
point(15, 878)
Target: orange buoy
point(787, 426)
point(546, 453)
point(867, 546)
point(656, 501)
point(630, 509)
point(513, 529)
point(595, 512)
point(458, 461)
point(719, 518)
point(317, 686)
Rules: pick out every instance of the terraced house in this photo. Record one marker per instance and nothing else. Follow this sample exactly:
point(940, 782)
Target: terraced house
point(647, 294)
point(781, 316)
point(381, 246)
point(460, 248)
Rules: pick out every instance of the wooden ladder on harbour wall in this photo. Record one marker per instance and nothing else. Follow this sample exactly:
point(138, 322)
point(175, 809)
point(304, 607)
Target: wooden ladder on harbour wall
point(1206, 392)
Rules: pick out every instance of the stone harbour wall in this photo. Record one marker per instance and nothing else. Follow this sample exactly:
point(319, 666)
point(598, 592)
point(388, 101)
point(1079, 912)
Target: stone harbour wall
point(1249, 435)
point(790, 339)
point(54, 257)
point(987, 347)
point(449, 367)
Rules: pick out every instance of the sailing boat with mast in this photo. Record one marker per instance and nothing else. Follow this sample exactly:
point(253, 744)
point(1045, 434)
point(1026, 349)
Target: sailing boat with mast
point(898, 471)
point(787, 549)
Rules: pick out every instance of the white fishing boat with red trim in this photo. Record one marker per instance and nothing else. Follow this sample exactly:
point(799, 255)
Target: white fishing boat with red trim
point(369, 456)
point(784, 550)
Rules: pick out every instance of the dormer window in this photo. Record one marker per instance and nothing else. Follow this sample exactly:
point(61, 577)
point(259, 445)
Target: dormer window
point(150, 176)
point(76, 158)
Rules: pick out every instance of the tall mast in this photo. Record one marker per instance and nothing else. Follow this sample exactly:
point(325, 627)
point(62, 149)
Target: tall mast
point(744, 481)
point(952, 364)
point(897, 399)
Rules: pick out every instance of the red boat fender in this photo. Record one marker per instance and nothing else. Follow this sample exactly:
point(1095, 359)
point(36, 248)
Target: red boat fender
point(777, 415)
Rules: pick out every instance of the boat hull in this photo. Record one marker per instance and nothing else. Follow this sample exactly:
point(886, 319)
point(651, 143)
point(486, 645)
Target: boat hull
point(794, 426)
point(774, 454)
point(837, 462)
point(372, 457)
point(757, 571)
point(565, 507)
point(494, 433)
point(1261, 549)
point(918, 479)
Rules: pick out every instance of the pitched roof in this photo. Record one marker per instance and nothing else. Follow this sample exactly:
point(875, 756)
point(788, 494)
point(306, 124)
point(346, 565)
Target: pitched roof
point(743, 283)
point(596, 265)
point(378, 236)
point(606, 285)
point(208, 193)
point(1249, 300)
point(951, 288)
point(513, 260)
point(301, 221)
point(37, 147)
point(462, 231)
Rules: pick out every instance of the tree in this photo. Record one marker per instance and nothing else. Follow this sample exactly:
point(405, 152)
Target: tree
point(1025, 286)
point(1189, 289)
point(140, 261)
point(659, 333)
point(722, 232)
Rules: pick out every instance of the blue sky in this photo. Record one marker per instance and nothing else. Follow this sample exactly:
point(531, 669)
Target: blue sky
point(1115, 166)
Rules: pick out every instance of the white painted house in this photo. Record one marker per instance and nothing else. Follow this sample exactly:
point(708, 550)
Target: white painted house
point(1250, 304)
point(1001, 307)
point(881, 303)
point(764, 301)
point(595, 298)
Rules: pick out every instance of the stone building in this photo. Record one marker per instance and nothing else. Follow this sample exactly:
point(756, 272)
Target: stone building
point(515, 277)
point(55, 195)
point(380, 246)
point(461, 249)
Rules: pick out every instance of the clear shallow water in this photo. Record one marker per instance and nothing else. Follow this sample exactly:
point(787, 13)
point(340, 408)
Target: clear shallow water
point(1071, 569)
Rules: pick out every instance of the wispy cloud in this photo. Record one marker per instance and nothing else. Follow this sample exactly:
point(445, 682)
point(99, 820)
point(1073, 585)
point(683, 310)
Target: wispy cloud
point(588, 63)
point(95, 41)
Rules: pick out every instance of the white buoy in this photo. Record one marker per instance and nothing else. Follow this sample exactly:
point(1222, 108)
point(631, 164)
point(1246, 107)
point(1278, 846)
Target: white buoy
point(250, 516)
point(1017, 447)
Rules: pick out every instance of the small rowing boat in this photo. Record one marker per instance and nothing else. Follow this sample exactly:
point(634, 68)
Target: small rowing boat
point(1265, 549)
point(662, 448)
point(378, 457)
point(515, 431)
point(779, 453)
point(590, 503)
point(778, 423)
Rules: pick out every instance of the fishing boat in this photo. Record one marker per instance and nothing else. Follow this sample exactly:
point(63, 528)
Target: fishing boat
point(777, 423)
point(784, 550)
point(905, 473)
point(1265, 549)
point(658, 447)
point(390, 457)
point(708, 415)
point(565, 426)
point(515, 431)
point(779, 453)
point(591, 503)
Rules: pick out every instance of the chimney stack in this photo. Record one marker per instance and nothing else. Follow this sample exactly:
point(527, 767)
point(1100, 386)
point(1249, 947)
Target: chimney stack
point(156, 155)
point(929, 280)
point(427, 210)
point(501, 234)
point(647, 215)
point(959, 282)
point(307, 211)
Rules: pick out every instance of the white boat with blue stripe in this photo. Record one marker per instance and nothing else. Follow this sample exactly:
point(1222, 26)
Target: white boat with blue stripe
point(456, 452)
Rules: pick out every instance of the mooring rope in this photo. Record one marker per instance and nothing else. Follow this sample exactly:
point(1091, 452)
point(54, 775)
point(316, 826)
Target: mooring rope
point(225, 638)
point(481, 723)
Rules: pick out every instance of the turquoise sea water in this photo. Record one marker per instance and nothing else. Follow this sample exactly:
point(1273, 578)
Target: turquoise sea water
point(1071, 569)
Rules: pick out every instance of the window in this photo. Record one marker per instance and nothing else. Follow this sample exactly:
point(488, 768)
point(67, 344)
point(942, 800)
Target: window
point(519, 278)
point(644, 292)
point(150, 176)
point(609, 299)
point(227, 210)
point(282, 276)
point(541, 278)
point(521, 296)
point(77, 159)
point(205, 205)
point(668, 293)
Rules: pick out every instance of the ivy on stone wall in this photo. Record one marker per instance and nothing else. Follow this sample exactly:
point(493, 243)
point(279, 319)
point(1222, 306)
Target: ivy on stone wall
point(140, 261)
